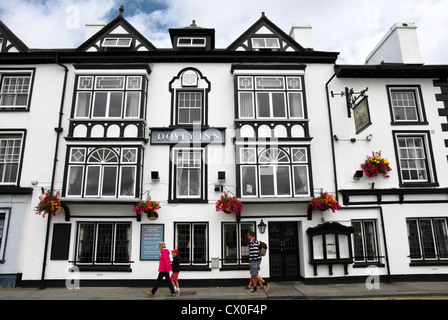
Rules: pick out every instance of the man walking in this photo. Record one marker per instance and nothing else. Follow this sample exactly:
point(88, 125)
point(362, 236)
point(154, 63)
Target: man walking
point(254, 263)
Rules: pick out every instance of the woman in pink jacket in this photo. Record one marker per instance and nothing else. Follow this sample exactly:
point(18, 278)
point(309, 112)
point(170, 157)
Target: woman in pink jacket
point(164, 270)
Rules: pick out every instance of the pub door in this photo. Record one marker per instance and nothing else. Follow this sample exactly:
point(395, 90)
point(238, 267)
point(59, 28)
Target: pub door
point(283, 251)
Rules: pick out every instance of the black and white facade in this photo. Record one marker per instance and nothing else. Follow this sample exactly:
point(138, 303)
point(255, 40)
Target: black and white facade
point(117, 120)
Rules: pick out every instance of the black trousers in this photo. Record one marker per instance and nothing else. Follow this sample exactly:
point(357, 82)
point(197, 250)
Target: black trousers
point(159, 280)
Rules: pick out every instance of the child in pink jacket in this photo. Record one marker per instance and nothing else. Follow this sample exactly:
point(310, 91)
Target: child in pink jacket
point(164, 270)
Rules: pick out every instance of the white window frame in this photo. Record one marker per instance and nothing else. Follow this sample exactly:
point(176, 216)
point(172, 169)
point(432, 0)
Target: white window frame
point(176, 173)
point(191, 42)
point(3, 91)
point(117, 41)
point(262, 43)
point(12, 136)
point(427, 159)
point(418, 101)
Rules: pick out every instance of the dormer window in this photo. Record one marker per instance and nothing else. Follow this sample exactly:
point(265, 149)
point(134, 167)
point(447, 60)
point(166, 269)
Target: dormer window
point(266, 44)
point(191, 42)
point(117, 42)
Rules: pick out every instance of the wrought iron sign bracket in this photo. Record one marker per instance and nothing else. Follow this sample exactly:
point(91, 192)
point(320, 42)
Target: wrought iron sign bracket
point(351, 97)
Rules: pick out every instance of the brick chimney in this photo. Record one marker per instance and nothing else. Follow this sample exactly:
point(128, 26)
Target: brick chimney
point(399, 45)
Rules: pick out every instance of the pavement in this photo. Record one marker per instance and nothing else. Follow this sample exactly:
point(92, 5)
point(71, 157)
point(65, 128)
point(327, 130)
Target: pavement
point(292, 290)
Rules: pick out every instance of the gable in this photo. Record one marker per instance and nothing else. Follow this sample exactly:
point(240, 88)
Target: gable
point(118, 35)
point(9, 42)
point(264, 35)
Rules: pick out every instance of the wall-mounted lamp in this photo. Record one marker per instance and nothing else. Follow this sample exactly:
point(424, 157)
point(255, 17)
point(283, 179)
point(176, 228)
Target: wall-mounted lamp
point(358, 175)
point(262, 227)
point(221, 180)
point(155, 176)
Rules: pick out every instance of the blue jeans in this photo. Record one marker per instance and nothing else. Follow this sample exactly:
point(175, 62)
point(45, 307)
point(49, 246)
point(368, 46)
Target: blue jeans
point(159, 280)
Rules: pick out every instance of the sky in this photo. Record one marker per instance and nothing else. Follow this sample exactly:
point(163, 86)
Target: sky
point(350, 27)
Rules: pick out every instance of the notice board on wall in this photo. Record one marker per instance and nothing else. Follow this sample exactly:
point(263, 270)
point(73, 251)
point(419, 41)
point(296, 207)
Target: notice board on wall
point(150, 236)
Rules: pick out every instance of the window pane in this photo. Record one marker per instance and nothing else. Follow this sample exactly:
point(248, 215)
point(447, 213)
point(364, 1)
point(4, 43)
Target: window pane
point(413, 238)
point(278, 105)
point(246, 104)
point(357, 241)
point(195, 182)
point(369, 234)
point(86, 242)
point(283, 181)
point(263, 107)
point(92, 183)
point(230, 242)
point(199, 243)
point(295, 105)
point(122, 243)
point(267, 181)
point(343, 246)
point(182, 182)
point(441, 237)
point(330, 246)
point(183, 242)
point(127, 187)
point(74, 184)
point(109, 181)
point(99, 106)
point(132, 104)
point(300, 180)
point(115, 104)
point(248, 181)
point(429, 251)
point(104, 243)
point(83, 104)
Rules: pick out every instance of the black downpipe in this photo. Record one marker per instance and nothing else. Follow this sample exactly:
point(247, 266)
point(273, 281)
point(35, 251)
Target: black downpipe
point(331, 138)
point(58, 130)
point(388, 279)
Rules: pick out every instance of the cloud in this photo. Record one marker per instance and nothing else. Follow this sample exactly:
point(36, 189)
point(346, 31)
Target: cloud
point(350, 27)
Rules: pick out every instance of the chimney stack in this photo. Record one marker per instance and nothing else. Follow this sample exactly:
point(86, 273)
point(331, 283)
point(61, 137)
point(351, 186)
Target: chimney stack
point(93, 27)
point(399, 45)
point(301, 32)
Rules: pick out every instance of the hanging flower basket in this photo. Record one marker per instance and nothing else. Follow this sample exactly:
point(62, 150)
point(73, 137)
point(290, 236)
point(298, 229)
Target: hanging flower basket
point(375, 165)
point(228, 204)
point(149, 207)
point(49, 204)
point(325, 202)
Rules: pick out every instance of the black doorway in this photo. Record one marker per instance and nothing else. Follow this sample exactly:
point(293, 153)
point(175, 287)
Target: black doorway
point(283, 251)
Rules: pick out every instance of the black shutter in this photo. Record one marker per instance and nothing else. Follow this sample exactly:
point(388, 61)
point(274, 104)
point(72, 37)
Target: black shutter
point(60, 244)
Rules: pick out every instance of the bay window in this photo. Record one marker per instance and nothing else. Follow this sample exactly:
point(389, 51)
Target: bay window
point(102, 172)
point(274, 171)
point(100, 97)
point(267, 97)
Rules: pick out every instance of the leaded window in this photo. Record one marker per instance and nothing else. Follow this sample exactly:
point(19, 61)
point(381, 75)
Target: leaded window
point(365, 241)
point(99, 97)
point(105, 243)
point(274, 172)
point(427, 238)
point(235, 245)
point(270, 97)
point(102, 172)
point(191, 240)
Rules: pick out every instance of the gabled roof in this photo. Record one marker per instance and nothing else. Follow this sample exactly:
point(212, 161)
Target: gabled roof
point(117, 28)
point(10, 42)
point(265, 28)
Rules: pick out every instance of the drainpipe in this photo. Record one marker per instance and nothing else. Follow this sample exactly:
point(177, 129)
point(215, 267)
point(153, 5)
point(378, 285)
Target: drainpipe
point(331, 137)
point(388, 279)
point(58, 130)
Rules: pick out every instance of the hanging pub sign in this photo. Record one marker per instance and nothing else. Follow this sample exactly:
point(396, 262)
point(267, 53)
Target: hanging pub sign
point(188, 136)
point(362, 115)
